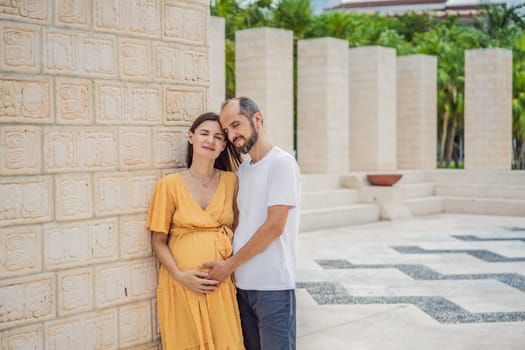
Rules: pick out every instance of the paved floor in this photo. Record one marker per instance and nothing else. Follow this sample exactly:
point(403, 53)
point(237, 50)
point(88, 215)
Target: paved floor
point(437, 282)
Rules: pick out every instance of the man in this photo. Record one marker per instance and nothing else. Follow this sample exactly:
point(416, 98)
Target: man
point(264, 240)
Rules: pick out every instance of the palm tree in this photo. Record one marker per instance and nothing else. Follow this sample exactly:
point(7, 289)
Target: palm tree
point(295, 15)
point(448, 41)
point(335, 24)
point(505, 27)
point(501, 24)
point(518, 102)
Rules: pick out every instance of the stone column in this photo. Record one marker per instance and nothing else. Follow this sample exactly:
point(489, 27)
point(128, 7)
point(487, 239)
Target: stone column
point(372, 113)
point(264, 72)
point(322, 105)
point(216, 61)
point(488, 109)
point(416, 112)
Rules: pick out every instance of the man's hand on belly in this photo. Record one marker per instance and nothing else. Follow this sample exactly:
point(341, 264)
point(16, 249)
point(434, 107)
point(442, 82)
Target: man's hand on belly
point(219, 270)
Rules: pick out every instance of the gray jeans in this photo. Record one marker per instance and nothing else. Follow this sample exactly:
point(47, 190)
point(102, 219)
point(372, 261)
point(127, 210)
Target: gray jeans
point(268, 319)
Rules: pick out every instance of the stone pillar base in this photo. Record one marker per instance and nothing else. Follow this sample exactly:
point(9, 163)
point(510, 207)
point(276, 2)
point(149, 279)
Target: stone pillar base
point(389, 199)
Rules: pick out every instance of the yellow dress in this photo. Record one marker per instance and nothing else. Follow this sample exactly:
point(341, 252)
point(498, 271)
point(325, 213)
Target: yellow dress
point(188, 320)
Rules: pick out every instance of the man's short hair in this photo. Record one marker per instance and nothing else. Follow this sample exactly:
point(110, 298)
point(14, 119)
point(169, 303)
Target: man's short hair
point(246, 106)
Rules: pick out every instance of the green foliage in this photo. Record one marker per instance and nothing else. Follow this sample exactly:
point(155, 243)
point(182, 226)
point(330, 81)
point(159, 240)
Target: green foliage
point(391, 38)
point(294, 15)
point(518, 101)
point(410, 24)
point(452, 165)
point(230, 68)
point(447, 38)
point(336, 24)
point(501, 25)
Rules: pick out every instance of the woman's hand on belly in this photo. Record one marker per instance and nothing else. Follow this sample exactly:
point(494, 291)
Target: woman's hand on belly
point(196, 281)
point(190, 250)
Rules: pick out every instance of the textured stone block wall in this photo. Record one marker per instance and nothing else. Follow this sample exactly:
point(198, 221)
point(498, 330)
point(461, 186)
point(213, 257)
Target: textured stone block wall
point(95, 97)
point(322, 105)
point(488, 109)
point(416, 112)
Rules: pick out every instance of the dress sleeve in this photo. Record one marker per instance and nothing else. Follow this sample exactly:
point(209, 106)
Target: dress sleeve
point(161, 208)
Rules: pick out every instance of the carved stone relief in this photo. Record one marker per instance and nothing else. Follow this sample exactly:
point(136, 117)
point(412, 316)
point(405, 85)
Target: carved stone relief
point(170, 147)
point(27, 300)
point(92, 331)
point(135, 148)
point(25, 201)
point(73, 13)
point(80, 54)
point(71, 149)
point(184, 22)
point(29, 337)
point(136, 17)
point(20, 250)
point(184, 104)
point(20, 150)
point(119, 103)
point(20, 48)
point(135, 59)
point(75, 291)
point(25, 100)
point(73, 197)
point(122, 193)
point(135, 325)
point(180, 64)
point(80, 243)
point(74, 104)
point(134, 237)
point(38, 11)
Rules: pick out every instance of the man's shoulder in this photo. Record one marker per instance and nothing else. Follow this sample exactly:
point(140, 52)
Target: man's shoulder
point(280, 154)
point(282, 158)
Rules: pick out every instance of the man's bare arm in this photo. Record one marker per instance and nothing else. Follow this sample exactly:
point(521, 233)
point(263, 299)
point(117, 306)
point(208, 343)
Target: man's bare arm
point(272, 228)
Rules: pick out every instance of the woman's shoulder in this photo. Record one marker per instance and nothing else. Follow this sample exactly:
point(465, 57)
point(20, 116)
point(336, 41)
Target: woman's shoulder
point(170, 179)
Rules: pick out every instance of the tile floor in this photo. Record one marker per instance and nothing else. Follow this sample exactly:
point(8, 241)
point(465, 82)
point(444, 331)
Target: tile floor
point(438, 282)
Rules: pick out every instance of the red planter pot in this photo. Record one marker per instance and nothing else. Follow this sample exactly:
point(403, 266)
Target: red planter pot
point(383, 179)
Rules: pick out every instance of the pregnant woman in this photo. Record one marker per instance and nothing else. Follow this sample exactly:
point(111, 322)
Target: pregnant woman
point(191, 217)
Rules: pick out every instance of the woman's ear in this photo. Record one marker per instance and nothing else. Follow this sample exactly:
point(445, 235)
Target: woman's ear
point(189, 137)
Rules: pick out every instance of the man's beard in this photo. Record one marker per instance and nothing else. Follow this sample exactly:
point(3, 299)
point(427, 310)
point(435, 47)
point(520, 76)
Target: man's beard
point(244, 149)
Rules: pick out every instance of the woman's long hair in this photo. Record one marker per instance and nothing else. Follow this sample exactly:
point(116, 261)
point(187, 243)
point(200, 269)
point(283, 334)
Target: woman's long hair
point(228, 160)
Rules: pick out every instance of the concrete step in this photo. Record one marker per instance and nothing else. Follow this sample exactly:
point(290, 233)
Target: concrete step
point(416, 190)
point(316, 219)
point(425, 205)
point(320, 182)
point(411, 176)
point(329, 198)
point(485, 206)
point(480, 191)
point(452, 176)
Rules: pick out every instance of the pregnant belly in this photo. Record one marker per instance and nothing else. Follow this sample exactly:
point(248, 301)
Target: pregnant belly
point(192, 249)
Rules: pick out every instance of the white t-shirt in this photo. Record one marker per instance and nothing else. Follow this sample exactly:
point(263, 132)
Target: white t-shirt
point(273, 180)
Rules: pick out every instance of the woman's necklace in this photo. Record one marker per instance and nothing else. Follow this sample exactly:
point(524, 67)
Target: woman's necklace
point(203, 183)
